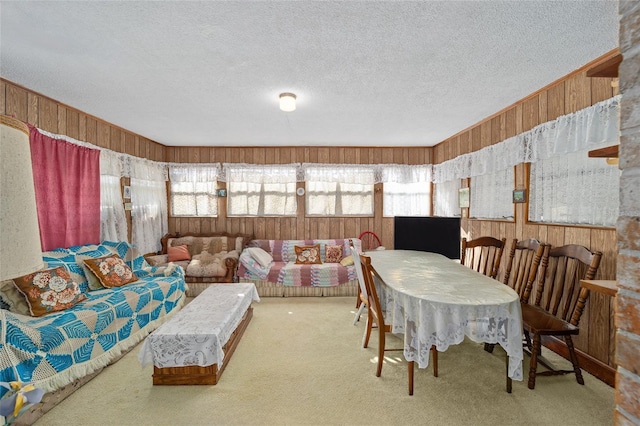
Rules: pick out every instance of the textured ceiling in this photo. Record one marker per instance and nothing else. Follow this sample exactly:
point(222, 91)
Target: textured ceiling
point(366, 73)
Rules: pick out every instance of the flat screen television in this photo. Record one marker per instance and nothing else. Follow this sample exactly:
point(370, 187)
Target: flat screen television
point(434, 234)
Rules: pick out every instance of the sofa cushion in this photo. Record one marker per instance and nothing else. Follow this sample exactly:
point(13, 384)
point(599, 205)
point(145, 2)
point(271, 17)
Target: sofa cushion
point(12, 297)
point(333, 253)
point(260, 256)
point(177, 253)
point(49, 290)
point(347, 261)
point(308, 255)
point(111, 271)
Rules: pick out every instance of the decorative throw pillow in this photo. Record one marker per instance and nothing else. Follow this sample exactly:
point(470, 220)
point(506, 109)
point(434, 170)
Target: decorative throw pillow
point(332, 254)
point(307, 255)
point(347, 261)
point(111, 271)
point(92, 281)
point(178, 253)
point(49, 290)
point(260, 256)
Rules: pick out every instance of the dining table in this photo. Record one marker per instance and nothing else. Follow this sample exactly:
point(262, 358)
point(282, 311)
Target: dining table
point(435, 301)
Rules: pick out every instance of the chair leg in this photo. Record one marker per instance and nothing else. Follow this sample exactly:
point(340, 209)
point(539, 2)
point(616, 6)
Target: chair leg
point(368, 329)
point(509, 382)
point(527, 339)
point(488, 347)
point(574, 359)
point(533, 366)
point(357, 318)
point(434, 356)
point(381, 343)
point(410, 371)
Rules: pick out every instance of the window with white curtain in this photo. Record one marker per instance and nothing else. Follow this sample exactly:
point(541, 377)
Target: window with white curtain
point(113, 221)
point(574, 189)
point(194, 190)
point(406, 190)
point(339, 189)
point(492, 195)
point(446, 202)
point(261, 190)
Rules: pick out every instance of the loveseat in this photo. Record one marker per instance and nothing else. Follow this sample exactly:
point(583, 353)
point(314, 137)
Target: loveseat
point(205, 258)
point(58, 349)
point(300, 267)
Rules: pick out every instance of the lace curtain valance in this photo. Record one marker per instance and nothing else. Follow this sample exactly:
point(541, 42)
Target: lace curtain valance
point(360, 174)
point(260, 173)
point(404, 173)
point(590, 128)
point(180, 173)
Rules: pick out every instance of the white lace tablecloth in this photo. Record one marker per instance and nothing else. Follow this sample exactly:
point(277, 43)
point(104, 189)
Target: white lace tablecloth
point(196, 334)
point(434, 300)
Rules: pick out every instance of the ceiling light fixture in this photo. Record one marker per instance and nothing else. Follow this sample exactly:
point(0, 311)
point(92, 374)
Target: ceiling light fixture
point(287, 102)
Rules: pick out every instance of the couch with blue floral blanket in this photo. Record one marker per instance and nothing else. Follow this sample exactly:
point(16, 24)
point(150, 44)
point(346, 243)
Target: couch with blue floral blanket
point(282, 276)
point(55, 349)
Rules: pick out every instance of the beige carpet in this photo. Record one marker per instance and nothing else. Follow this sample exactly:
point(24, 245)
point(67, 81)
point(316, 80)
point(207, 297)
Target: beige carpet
point(301, 362)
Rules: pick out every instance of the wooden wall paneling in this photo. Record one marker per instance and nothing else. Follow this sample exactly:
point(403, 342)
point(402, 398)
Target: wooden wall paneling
point(16, 104)
point(577, 92)
point(82, 127)
point(543, 107)
point(555, 101)
point(510, 123)
point(502, 126)
point(519, 119)
point(73, 124)
point(3, 97)
point(62, 121)
point(555, 235)
point(386, 232)
point(530, 113)
point(601, 89)
point(48, 115)
point(476, 138)
point(33, 109)
point(577, 235)
point(495, 130)
point(91, 130)
point(604, 240)
point(324, 155)
point(103, 135)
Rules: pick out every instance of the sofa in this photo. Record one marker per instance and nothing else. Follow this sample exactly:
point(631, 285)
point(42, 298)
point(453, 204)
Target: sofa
point(205, 258)
point(300, 267)
point(58, 349)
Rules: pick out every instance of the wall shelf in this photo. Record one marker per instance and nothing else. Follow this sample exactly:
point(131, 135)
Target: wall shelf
point(608, 152)
point(607, 68)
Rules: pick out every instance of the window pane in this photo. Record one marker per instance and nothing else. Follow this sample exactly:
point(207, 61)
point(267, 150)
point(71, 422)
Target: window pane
point(492, 195)
point(407, 199)
point(446, 201)
point(194, 191)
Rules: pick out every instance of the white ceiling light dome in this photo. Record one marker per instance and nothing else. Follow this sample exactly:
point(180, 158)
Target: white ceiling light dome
point(287, 102)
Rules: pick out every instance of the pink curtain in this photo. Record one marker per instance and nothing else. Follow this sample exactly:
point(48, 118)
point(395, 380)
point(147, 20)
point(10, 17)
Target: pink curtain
point(67, 184)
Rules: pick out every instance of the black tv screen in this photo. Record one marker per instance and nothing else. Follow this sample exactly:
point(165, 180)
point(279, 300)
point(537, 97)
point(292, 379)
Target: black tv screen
point(434, 234)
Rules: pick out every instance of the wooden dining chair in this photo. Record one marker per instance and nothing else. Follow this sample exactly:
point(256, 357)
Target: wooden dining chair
point(522, 270)
point(558, 305)
point(376, 315)
point(482, 254)
point(363, 297)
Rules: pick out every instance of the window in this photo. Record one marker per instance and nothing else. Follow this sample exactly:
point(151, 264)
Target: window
point(446, 201)
point(261, 190)
point(113, 222)
point(492, 195)
point(406, 190)
point(148, 214)
point(194, 190)
point(573, 188)
point(339, 190)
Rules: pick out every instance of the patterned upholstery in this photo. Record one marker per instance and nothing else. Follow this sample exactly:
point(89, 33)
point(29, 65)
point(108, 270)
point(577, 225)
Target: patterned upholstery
point(54, 350)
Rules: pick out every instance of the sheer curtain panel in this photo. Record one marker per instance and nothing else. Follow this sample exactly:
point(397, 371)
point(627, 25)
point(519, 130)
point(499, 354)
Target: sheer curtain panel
point(261, 190)
point(194, 189)
point(113, 221)
point(149, 218)
point(406, 190)
point(492, 195)
point(446, 199)
point(339, 189)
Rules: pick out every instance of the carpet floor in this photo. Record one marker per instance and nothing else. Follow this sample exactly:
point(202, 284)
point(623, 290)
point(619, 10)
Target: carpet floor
point(301, 362)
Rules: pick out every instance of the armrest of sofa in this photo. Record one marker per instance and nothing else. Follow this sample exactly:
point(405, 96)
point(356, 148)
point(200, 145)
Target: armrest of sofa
point(158, 259)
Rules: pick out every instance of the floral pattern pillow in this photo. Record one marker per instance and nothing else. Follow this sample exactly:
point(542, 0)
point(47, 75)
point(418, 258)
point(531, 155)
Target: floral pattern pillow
point(332, 254)
point(307, 255)
point(111, 271)
point(49, 290)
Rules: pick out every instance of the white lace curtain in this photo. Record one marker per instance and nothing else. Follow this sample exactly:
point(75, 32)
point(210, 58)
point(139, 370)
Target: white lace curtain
point(339, 189)
point(407, 190)
point(261, 190)
point(149, 214)
point(113, 222)
point(194, 189)
point(492, 195)
point(446, 201)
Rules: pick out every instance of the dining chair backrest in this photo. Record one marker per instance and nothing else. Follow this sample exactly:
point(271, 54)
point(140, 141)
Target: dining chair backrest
point(522, 266)
point(483, 254)
point(559, 284)
point(374, 301)
point(358, 266)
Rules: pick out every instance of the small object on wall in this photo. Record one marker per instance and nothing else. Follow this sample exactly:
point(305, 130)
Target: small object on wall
point(463, 197)
point(127, 206)
point(519, 195)
point(127, 193)
point(222, 192)
point(300, 191)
